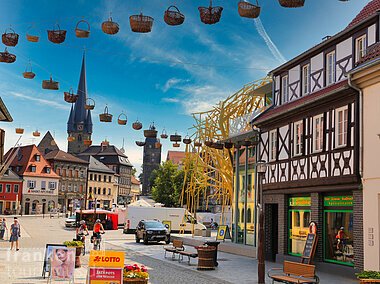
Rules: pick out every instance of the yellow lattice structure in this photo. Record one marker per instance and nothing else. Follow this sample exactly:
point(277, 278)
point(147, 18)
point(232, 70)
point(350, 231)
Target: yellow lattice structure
point(209, 170)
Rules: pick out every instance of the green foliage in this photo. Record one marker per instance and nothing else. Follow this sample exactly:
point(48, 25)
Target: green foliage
point(73, 244)
point(368, 275)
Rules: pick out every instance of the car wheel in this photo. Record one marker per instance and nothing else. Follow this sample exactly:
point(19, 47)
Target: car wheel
point(137, 239)
point(145, 240)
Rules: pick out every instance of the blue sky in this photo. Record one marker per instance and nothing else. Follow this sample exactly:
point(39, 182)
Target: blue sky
point(162, 76)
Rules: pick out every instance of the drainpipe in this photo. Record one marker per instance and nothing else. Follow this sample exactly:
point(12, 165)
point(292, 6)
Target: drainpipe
point(245, 195)
point(236, 217)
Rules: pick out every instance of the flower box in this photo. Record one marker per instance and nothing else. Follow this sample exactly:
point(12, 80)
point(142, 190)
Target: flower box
point(135, 281)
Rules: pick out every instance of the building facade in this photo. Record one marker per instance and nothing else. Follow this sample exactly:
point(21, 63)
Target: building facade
point(151, 160)
point(10, 193)
point(135, 189)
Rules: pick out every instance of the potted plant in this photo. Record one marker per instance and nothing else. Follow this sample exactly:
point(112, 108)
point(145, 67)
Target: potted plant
point(368, 276)
point(135, 274)
point(78, 245)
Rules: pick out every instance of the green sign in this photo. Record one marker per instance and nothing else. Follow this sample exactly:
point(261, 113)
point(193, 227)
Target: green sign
point(338, 200)
point(300, 201)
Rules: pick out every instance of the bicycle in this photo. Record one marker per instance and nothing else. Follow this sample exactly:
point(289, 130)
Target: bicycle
point(82, 238)
point(96, 237)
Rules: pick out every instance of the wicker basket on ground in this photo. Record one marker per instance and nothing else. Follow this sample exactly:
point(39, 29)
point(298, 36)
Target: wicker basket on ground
point(90, 104)
point(140, 143)
point(175, 138)
point(7, 57)
point(141, 23)
point(248, 10)
point(206, 257)
point(28, 74)
point(10, 38)
point(210, 15)
point(110, 27)
point(105, 116)
point(19, 130)
point(70, 97)
point(56, 36)
point(291, 3)
point(50, 84)
point(82, 33)
point(135, 281)
point(137, 125)
point(173, 17)
point(122, 119)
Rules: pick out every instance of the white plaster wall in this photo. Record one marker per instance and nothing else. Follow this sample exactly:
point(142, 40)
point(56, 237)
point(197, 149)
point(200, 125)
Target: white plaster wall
point(371, 35)
point(38, 180)
point(283, 155)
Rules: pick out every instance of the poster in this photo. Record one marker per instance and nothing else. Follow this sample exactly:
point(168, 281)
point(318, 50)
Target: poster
point(114, 259)
point(49, 255)
point(63, 263)
point(105, 276)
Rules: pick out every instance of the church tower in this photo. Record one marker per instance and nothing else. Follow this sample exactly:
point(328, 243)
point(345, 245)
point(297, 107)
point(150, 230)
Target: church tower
point(79, 125)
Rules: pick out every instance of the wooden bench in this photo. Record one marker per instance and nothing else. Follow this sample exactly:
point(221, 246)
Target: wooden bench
point(189, 254)
point(175, 248)
point(294, 272)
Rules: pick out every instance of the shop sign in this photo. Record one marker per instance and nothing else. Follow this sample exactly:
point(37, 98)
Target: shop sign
point(113, 259)
point(105, 275)
point(300, 201)
point(39, 191)
point(338, 200)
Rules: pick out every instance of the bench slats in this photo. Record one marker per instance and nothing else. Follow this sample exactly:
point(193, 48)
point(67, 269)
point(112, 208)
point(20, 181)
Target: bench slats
point(289, 279)
point(299, 269)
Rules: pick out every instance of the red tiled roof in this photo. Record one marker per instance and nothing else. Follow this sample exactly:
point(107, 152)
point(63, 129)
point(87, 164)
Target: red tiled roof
point(371, 53)
point(59, 155)
point(370, 9)
point(276, 111)
point(176, 157)
point(135, 180)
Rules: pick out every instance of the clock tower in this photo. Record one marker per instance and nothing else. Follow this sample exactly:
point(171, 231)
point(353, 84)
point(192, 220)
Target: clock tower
point(79, 125)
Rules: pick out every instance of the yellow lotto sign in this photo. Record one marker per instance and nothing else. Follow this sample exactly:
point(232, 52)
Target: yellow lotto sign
point(113, 259)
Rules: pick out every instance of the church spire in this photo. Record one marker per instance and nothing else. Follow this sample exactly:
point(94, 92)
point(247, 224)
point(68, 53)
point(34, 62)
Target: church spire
point(79, 110)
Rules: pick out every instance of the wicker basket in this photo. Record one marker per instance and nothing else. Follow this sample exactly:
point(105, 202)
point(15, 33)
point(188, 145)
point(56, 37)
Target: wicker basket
point(369, 281)
point(10, 38)
point(57, 36)
point(197, 144)
point(20, 130)
point(175, 138)
point(71, 138)
point(173, 17)
point(140, 143)
point(228, 145)
point(87, 142)
point(157, 145)
point(291, 3)
point(32, 38)
point(206, 257)
point(50, 84)
point(36, 133)
point(135, 281)
point(248, 10)
point(210, 15)
point(217, 145)
point(28, 74)
point(109, 27)
point(122, 119)
point(150, 133)
point(105, 117)
point(7, 57)
point(186, 140)
point(209, 143)
point(176, 145)
point(82, 33)
point(137, 125)
point(70, 97)
point(141, 23)
point(90, 104)
point(164, 135)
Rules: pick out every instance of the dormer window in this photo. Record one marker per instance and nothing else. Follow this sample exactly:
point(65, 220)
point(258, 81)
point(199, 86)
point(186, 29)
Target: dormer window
point(284, 89)
point(47, 170)
point(18, 168)
point(305, 79)
point(37, 157)
point(330, 68)
point(33, 168)
point(360, 47)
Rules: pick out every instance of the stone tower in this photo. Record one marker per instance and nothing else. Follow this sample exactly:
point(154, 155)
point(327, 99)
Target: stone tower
point(79, 125)
point(151, 161)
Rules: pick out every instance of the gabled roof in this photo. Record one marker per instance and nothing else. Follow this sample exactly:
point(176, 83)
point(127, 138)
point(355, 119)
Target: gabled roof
point(97, 166)
point(4, 113)
point(176, 157)
point(369, 10)
point(10, 175)
point(59, 155)
point(47, 142)
point(107, 155)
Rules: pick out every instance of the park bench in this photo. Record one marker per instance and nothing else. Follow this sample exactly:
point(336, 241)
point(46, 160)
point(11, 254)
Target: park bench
point(294, 272)
point(175, 248)
point(189, 254)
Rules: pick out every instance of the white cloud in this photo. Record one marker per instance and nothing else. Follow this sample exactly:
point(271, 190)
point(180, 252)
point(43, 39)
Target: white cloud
point(52, 103)
point(172, 82)
point(171, 100)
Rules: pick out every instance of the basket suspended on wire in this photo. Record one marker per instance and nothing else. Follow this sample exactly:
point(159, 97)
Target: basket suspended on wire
point(151, 132)
point(122, 119)
point(140, 143)
point(173, 17)
point(30, 37)
point(209, 143)
point(50, 84)
point(210, 15)
point(175, 138)
point(70, 138)
point(158, 144)
point(105, 117)
point(9, 37)
point(176, 145)
point(291, 3)
point(90, 104)
point(56, 36)
point(186, 140)
point(7, 57)
point(248, 10)
point(36, 133)
point(217, 145)
point(19, 130)
point(87, 142)
point(141, 23)
point(109, 27)
point(137, 125)
point(82, 33)
point(28, 74)
point(228, 145)
point(70, 97)
point(164, 135)
point(197, 143)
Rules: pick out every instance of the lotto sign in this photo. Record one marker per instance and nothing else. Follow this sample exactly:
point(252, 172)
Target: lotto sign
point(106, 276)
point(113, 259)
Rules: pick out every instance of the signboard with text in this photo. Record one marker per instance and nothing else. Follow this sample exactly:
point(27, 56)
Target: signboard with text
point(103, 259)
point(338, 201)
point(105, 275)
point(299, 201)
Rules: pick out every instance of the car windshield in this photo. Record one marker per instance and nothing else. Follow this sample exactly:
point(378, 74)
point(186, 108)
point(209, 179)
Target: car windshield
point(154, 225)
point(73, 217)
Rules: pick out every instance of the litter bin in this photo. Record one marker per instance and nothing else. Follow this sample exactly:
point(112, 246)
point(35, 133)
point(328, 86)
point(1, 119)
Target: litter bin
point(214, 244)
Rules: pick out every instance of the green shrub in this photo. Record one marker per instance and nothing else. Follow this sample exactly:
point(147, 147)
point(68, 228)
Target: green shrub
point(73, 244)
point(368, 275)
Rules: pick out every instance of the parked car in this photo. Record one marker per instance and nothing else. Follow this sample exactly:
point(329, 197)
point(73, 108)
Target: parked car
point(71, 222)
point(152, 230)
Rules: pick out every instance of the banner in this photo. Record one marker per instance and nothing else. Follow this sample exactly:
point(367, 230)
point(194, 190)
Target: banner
point(105, 276)
point(113, 259)
point(63, 264)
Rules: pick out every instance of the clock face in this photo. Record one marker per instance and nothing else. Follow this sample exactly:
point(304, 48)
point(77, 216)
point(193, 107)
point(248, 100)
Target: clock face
point(80, 127)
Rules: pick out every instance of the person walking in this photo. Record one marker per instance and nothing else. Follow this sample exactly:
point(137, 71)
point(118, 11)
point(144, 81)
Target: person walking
point(15, 233)
point(3, 228)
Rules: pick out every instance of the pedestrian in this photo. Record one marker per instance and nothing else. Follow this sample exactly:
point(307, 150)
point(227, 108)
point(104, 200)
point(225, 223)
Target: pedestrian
point(15, 233)
point(3, 228)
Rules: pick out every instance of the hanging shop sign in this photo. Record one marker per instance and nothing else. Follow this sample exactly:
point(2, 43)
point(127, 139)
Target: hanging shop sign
point(300, 201)
point(103, 259)
point(338, 201)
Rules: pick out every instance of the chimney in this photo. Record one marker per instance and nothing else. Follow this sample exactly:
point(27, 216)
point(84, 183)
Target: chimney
point(104, 144)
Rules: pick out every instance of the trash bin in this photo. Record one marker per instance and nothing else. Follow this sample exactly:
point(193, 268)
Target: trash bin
point(214, 244)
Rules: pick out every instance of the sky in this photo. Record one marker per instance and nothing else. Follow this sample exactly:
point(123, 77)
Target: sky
point(161, 77)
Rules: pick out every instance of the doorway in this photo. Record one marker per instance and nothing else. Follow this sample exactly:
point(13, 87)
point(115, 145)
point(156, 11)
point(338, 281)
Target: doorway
point(1, 207)
point(27, 208)
point(271, 231)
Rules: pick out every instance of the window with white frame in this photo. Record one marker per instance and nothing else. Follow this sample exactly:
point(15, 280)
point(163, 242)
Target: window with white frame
point(330, 68)
point(298, 138)
point(43, 184)
point(52, 185)
point(273, 145)
point(284, 89)
point(1, 188)
point(15, 188)
point(31, 184)
point(318, 133)
point(341, 125)
point(305, 79)
point(7, 188)
point(360, 46)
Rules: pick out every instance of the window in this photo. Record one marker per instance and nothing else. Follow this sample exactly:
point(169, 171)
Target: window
point(99, 178)
point(47, 170)
point(298, 138)
point(70, 173)
point(33, 168)
point(37, 158)
point(109, 179)
point(18, 168)
point(105, 178)
point(69, 187)
point(330, 68)
point(76, 173)
point(341, 123)
point(7, 188)
point(81, 174)
point(75, 188)
point(63, 188)
point(90, 190)
point(90, 176)
point(52, 185)
point(305, 79)
point(273, 144)
point(360, 47)
point(31, 184)
point(43, 184)
point(64, 172)
point(15, 188)
point(99, 190)
point(318, 133)
point(58, 170)
point(284, 89)
point(1, 188)
point(109, 191)
point(104, 191)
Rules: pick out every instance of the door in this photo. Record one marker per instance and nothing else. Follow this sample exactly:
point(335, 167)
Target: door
point(271, 231)
point(1, 207)
point(27, 205)
point(44, 208)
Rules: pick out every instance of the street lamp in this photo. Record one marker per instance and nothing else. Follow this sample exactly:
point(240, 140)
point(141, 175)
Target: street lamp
point(261, 168)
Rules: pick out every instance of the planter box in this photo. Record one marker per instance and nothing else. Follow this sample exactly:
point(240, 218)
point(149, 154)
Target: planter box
point(365, 281)
point(135, 281)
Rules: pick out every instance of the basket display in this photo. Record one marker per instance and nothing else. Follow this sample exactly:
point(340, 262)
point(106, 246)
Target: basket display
point(157, 145)
point(10, 38)
point(173, 17)
point(36, 133)
point(209, 143)
point(105, 117)
point(210, 15)
point(87, 142)
point(206, 257)
point(50, 84)
point(57, 36)
point(28, 74)
point(217, 145)
point(150, 133)
point(32, 38)
point(186, 140)
point(109, 27)
point(122, 119)
point(140, 143)
point(197, 144)
point(175, 138)
point(82, 33)
point(137, 125)
point(228, 145)
point(7, 57)
point(176, 145)
point(248, 10)
point(20, 130)
point(141, 23)
point(70, 97)
point(71, 138)
point(164, 135)
point(291, 3)
point(90, 104)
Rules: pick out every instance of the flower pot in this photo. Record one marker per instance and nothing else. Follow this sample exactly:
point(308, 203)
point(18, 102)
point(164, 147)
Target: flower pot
point(135, 281)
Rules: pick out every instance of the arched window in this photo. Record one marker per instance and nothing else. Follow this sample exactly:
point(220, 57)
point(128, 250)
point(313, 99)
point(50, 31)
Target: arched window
point(242, 216)
point(249, 217)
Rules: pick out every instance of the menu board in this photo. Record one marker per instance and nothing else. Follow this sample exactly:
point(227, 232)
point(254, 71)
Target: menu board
point(309, 246)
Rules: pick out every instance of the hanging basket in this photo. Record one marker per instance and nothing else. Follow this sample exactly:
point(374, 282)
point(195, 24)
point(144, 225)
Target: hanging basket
point(228, 145)
point(150, 133)
point(122, 119)
point(197, 143)
point(173, 17)
point(70, 97)
point(141, 23)
point(10, 38)
point(137, 125)
point(210, 15)
point(71, 138)
point(175, 138)
point(109, 27)
point(57, 36)
point(105, 117)
point(176, 145)
point(28, 74)
point(140, 143)
point(20, 130)
point(135, 281)
point(82, 33)
point(248, 10)
point(7, 57)
point(186, 140)
point(90, 104)
point(87, 142)
point(164, 135)
point(209, 143)
point(291, 3)
point(32, 38)
point(36, 133)
point(50, 84)
point(217, 145)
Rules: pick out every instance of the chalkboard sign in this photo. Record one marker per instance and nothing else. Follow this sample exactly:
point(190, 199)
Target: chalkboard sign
point(223, 233)
point(308, 251)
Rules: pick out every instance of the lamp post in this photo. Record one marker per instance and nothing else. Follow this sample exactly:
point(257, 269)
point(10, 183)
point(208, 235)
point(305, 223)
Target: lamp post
point(261, 168)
